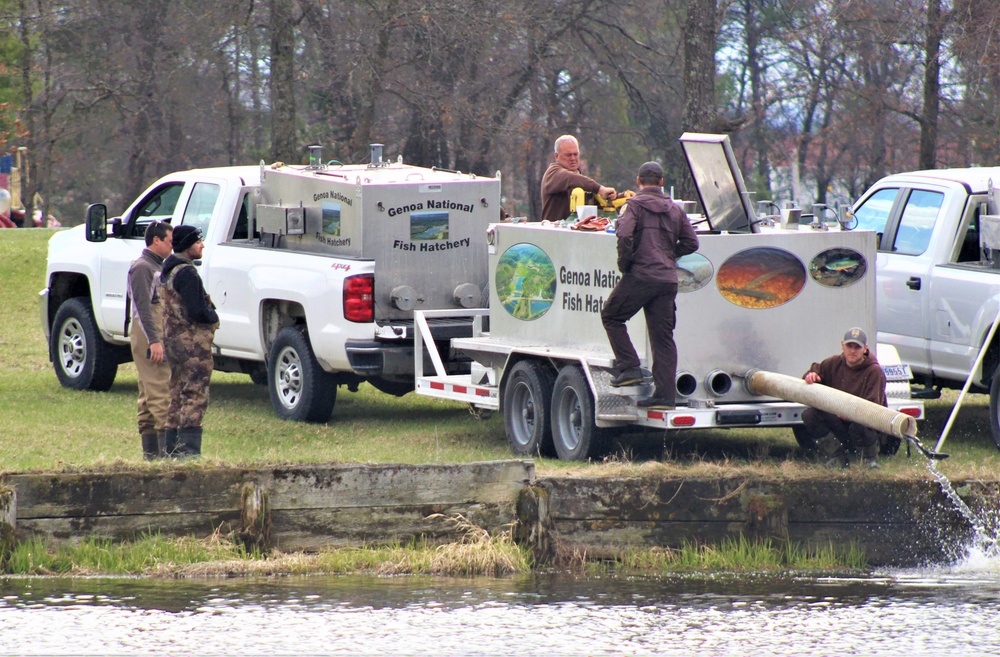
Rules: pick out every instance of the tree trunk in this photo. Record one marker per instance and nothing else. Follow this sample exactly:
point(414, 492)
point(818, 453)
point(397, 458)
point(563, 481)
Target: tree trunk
point(932, 67)
point(28, 185)
point(700, 34)
point(284, 145)
point(762, 179)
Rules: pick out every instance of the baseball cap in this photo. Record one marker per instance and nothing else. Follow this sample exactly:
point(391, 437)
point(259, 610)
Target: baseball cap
point(651, 170)
point(856, 336)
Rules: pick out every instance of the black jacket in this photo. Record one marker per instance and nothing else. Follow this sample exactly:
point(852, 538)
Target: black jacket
point(187, 284)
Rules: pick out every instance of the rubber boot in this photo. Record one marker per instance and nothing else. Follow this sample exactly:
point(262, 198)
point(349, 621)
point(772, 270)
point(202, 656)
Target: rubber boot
point(869, 454)
point(188, 442)
point(866, 444)
point(161, 444)
point(833, 453)
point(150, 446)
point(170, 441)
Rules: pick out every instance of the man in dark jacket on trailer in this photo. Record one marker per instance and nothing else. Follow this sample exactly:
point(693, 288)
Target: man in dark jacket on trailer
point(855, 371)
point(189, 325)
point(653, 232)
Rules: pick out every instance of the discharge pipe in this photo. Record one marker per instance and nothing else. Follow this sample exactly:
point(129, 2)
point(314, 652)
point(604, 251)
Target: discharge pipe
point(841, 404)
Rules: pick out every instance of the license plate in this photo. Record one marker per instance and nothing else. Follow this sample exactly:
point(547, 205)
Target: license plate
point(897, 372)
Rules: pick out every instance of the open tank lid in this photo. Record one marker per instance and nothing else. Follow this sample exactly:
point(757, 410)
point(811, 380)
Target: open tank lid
point(720, 183)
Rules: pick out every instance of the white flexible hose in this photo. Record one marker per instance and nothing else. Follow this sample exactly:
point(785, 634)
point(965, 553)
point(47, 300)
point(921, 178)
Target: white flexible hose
point(831, 400)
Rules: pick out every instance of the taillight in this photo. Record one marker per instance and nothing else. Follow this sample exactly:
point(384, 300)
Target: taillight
point(359, 298)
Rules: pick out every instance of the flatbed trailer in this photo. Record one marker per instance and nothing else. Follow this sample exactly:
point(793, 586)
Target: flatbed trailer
point(550, 374)
point(748, 301)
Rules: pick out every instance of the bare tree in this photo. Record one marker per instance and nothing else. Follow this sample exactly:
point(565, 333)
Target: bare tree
point(977, 47)
point(284, 141)
point(701, 29)
point(933, 34)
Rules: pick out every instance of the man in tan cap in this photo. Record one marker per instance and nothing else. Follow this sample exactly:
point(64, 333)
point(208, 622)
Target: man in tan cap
point(855, 371)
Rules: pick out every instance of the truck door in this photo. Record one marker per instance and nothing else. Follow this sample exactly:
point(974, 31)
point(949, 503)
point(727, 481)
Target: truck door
point(159, 204)
point(228, 283)
point(903, 269)
point(964, 301)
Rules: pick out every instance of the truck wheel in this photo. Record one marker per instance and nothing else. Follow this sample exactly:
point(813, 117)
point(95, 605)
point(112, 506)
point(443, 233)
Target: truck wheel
point(995, 408)
point(82, 359)
point(300, 389)
point(527, 396)
point(574, 431)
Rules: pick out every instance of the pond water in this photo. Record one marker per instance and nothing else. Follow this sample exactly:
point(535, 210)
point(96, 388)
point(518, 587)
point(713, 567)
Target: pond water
point(938, 611)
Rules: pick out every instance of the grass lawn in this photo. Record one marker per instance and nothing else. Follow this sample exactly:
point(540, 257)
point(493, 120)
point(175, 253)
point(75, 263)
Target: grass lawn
point(46, 427)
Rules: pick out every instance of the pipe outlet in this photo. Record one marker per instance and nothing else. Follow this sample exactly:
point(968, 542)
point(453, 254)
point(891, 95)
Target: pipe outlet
point(718, 382)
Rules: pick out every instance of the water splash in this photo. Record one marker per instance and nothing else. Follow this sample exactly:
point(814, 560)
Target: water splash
point(984, 551)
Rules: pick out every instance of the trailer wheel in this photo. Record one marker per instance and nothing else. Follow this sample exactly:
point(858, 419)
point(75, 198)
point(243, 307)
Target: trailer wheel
point(82, 359)
point(300, 389)
point(574, 431)
point(527, 398)
point(995, 408)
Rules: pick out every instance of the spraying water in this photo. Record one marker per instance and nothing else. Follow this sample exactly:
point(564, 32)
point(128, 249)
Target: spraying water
point(985, 547)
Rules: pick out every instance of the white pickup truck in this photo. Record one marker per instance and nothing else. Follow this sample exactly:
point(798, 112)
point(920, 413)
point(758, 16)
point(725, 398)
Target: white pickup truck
point(938, 290)
point(315, 271)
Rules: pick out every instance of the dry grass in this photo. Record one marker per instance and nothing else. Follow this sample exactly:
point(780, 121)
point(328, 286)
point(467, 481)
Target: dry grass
point(476, 553)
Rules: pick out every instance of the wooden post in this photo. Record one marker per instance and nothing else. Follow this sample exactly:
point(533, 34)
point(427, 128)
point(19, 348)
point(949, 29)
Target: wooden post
point(534, 525)
point(255, 515)
point(8, 521)
point(767, 517)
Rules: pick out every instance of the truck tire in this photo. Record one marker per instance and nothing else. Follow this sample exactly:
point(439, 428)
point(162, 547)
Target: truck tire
point(300, 389)
point(574, 431)
point(995, 407)
point(527, 396)
point(81, 357)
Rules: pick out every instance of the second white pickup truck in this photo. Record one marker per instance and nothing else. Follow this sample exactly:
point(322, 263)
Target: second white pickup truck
point(938, 268)
point(315, 271)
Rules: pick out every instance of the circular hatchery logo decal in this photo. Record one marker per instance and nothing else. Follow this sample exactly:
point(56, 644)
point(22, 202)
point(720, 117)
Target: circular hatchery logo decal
point(838, 267)
point(694, 271)
point(525, 281)
point(761, 277)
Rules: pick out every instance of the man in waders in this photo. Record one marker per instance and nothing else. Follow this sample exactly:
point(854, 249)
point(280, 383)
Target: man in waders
point(146, 320)
point(189, 325)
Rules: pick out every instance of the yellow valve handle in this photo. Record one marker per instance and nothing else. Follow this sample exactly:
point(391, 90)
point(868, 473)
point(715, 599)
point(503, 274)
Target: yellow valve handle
point(615, 204)
point(578, 197)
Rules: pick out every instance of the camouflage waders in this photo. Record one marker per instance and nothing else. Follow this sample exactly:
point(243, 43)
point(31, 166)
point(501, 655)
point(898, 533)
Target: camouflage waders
point(189, 350)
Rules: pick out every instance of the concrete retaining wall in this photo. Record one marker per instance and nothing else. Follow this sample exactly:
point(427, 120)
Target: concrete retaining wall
point(291, 507)
point(310, 507)
point(892, 522)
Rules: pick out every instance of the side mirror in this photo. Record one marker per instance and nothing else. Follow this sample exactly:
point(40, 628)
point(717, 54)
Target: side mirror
point(97, 223)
